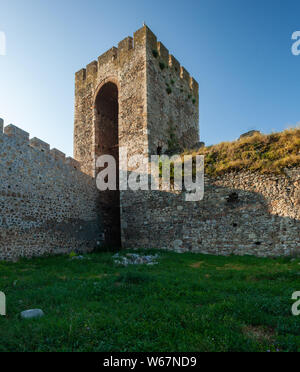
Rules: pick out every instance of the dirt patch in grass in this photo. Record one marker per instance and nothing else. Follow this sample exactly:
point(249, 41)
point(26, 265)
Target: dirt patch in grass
point(197, 265)
point(232, 267)
point(95, 276)
point(259, 333)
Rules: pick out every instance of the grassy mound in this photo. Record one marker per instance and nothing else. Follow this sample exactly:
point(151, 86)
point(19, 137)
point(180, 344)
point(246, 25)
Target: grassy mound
point(261, 153)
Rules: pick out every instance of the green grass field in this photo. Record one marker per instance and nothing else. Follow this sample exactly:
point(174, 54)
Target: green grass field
point(187, 302)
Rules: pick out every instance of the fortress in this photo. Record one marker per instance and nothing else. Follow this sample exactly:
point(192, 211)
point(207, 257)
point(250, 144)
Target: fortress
point(136, 96)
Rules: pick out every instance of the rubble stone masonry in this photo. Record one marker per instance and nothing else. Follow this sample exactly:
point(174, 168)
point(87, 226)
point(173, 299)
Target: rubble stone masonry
point(242, 213)
point(47, 205)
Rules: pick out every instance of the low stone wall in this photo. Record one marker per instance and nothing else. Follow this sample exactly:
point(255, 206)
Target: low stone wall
point(47, 205)
point(242, 213)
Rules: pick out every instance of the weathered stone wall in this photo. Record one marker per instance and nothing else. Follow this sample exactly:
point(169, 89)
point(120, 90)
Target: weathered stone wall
point(172, 102)
point(241, 213)
point(47, 205)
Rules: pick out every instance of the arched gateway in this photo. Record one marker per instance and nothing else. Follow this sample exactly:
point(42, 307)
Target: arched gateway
point(107, 143)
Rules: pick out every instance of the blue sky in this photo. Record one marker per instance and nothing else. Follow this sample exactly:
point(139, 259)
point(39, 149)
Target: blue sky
point(238, 50)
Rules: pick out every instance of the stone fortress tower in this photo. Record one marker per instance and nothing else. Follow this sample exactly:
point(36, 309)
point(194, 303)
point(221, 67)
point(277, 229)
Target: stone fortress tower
point(135, 96)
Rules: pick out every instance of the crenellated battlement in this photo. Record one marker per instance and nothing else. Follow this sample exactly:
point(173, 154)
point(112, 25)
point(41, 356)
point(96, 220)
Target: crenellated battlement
point(13, 131)
point(39, 144)
point(117, 56)
point(21, 138)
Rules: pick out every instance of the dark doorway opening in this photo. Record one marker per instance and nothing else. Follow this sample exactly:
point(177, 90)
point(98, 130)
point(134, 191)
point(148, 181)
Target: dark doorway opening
point(107, 143)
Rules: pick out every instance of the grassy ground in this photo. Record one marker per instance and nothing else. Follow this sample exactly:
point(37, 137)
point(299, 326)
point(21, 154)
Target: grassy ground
point(261, 153)
point(186, 303)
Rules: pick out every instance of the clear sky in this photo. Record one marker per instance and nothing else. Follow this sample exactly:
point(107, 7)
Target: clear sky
point(238, 50)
